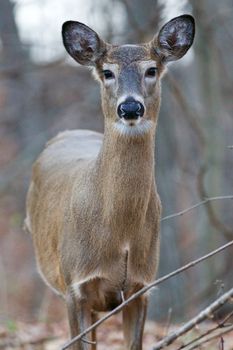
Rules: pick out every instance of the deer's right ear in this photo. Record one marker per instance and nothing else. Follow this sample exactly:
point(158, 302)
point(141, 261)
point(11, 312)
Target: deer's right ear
point(82, 43)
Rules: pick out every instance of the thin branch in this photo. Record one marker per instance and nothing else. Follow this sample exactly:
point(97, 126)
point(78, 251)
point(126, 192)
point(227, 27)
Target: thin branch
point(194, 120)
point(168, 323)
point(211, 337)
point(191, 115)
point(211, 330)
point(206, 200)
point(88, 341)
point(212, 215)
point(203, 315)
point(144, 290)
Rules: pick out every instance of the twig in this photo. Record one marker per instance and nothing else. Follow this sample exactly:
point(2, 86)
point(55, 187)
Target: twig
point(191, 115)
point(194, 120)
point(204, 314)
point(221, 343)
point(206, 200)
point(211, 337)
point(122, 296)
point(168, 323)
point(144, 290)
point(88, 341)
point(211, 330)
point(212, 215)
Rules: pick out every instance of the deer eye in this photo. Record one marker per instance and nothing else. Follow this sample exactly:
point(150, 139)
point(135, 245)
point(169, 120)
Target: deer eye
point(151, 72)
point(108, 74)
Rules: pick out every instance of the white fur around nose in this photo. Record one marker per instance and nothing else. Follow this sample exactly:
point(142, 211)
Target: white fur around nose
point(131, 128)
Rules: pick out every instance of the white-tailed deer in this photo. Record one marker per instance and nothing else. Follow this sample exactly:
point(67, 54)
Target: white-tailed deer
point(92, 206)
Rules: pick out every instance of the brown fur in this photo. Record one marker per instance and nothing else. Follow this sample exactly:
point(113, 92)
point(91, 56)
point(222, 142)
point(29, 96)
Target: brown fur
point(93, 207)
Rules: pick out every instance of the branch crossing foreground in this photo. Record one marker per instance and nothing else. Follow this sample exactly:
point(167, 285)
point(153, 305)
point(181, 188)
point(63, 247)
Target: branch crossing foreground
point(203, 315)
point(220, 301)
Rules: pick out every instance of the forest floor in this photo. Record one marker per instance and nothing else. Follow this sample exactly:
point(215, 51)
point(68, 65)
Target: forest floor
point(43, 336)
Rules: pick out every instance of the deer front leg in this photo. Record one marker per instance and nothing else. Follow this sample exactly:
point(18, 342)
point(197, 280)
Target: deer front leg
point(134, 316)
point(94, 319)
point(79, 315)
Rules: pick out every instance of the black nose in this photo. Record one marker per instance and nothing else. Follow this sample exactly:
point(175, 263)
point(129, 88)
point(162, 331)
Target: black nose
point(130, 110)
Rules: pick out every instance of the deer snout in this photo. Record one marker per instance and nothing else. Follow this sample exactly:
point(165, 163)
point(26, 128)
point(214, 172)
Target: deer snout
point(130, 109)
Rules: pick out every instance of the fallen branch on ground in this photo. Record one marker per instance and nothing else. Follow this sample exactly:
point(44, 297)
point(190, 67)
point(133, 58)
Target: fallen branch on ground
point(144, 290)
point(203, 315)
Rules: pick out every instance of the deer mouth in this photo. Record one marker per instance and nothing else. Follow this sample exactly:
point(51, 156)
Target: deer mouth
point(137, 127)
point(131, 122)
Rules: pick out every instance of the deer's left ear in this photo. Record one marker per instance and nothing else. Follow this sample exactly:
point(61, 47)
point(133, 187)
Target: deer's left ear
point(175, 38)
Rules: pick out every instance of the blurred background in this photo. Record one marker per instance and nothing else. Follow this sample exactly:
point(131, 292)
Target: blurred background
point(43, 92)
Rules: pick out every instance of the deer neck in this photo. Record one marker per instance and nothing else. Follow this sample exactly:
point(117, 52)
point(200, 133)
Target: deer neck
point(126, 176)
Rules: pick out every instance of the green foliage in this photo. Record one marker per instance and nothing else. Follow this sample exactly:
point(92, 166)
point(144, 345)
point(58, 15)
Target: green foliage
point(11, 326)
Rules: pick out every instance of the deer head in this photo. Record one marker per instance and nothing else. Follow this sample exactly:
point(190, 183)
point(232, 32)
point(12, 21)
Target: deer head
point(130, 74)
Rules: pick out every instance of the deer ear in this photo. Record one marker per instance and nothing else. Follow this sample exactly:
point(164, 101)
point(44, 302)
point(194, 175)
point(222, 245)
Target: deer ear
point(175, 38)
point(82, 43)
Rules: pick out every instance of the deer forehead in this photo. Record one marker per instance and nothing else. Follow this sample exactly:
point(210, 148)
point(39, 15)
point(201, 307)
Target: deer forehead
point(126, 55)
point(128, 58)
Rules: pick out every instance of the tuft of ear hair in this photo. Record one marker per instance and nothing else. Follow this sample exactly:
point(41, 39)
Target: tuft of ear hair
point(174, 38)
point(82, 43)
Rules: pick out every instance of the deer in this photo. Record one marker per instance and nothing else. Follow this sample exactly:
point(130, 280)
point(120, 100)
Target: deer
point(92, 207)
